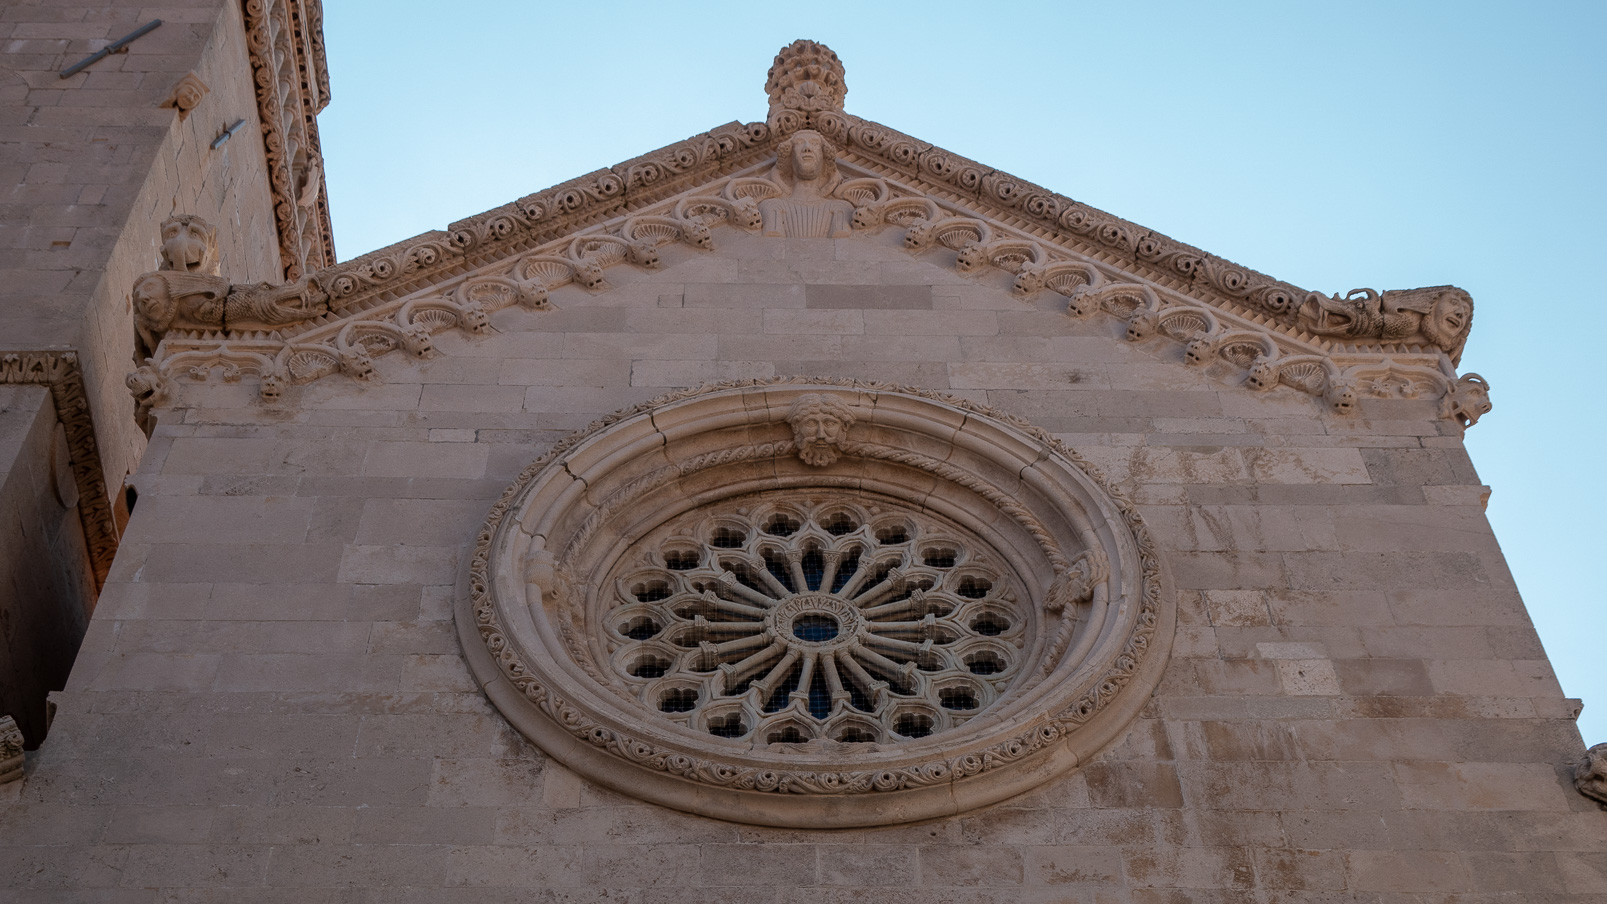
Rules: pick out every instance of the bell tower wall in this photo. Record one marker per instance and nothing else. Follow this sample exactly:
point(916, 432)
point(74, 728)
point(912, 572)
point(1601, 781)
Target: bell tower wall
point(96, 161)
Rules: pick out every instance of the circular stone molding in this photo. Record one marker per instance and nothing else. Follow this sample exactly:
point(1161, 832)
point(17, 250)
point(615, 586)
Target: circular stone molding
point(815, 604)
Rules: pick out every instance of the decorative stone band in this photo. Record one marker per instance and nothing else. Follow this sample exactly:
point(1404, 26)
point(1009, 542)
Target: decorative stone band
point(544, 627)
point(59, 371)
point(285, 40)
point(1245, 344)
point(806, 88)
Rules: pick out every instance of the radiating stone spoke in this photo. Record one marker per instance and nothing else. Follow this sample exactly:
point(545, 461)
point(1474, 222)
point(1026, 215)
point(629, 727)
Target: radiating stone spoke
point(777, 650)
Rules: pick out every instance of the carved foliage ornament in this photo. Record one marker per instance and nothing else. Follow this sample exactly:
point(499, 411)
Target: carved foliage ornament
point(286, 44)
point(806, 76)
point(804, 603)
point(1273, 333)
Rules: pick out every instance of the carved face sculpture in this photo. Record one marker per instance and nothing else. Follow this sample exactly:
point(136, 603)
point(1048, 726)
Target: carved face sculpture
point(819, 425)
point(807, 156)
point(189, 244)
point(188, 94)
point(153, 303)
point(1448, 320)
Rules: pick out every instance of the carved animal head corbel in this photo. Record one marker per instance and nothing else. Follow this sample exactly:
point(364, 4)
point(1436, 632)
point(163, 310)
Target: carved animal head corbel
point(1082, 302)
point(971, 257)
point(920, 236)
point(1029, 280)
point(272, 386)
point(472, 317)
point(417, 340)
point(1467, 400)
point(150, 388)
point(1341, 395)
point(1590, 775)
point(189, 245)
point(867, 217)
point(1142, 324)
point(643, 254)
point(1199, 350)
point(1263, 374)
point(590, 274)
point(533, 295)
point(356, 363)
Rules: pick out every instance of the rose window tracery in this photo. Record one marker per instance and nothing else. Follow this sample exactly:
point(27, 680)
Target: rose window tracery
point(787, 620)
point(803, 602)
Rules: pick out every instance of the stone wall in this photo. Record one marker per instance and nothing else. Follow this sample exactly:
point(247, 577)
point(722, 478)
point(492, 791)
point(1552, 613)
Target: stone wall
point(44, 569)
point(272, 703)
point(96, 163)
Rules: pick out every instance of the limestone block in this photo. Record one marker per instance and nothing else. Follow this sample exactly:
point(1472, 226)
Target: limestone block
point(1236, 607)
point(695, 373)
point(968, 867)
point(1084, 864)
point(405, 459)
point(1191, 867)
point(869, 297)
point(470, 397)
point(1480, 786)
point(1025, 376)
point(929, 323)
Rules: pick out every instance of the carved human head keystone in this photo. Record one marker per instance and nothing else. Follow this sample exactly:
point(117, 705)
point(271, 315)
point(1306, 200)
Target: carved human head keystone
point(819, 426)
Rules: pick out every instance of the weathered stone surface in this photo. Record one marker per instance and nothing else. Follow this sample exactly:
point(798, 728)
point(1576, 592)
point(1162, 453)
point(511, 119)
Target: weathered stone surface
point(272, 702)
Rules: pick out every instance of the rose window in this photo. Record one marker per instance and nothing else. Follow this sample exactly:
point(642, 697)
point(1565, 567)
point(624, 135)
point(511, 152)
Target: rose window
point(810, 603)
point(786, 620)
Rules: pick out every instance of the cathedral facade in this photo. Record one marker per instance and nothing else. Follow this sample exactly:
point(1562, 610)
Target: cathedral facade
point(800, 512)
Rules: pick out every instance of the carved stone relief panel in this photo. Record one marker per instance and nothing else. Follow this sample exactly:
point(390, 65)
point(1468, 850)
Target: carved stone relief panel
point(803, 603)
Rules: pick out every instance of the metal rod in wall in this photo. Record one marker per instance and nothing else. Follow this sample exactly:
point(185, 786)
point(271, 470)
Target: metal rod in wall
point(117, 46)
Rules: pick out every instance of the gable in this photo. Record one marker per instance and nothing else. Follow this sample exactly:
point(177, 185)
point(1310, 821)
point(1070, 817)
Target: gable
point(886, 189)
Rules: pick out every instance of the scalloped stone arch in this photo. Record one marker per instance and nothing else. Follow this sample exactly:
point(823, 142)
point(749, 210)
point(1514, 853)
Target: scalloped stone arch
point(1078, 557)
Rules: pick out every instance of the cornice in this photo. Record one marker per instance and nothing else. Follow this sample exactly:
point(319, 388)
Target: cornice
point(59, 370)
point(953, 210)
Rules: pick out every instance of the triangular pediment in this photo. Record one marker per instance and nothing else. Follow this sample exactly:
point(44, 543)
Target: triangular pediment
point(943, 208)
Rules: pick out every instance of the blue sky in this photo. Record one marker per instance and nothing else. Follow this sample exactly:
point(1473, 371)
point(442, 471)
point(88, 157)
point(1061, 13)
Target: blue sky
point(1331, 145)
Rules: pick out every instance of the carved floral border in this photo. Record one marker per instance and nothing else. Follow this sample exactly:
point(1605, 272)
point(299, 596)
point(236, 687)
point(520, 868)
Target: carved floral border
point(1249, 341)
point(59, 371)
point(285, 42)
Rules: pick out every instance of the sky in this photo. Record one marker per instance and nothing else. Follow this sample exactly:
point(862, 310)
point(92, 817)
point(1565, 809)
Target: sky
point(1331, 145)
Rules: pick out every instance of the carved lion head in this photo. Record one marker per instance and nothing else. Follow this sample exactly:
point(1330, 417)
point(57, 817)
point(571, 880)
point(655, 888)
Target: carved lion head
point(189, 244)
